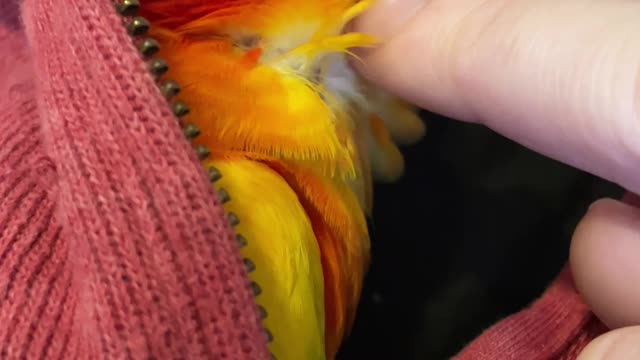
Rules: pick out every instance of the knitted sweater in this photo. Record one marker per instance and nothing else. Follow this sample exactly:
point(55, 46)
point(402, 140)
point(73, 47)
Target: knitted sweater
point(112, 242)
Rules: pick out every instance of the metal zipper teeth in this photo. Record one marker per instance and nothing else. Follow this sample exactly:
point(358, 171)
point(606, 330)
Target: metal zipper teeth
point(137, 27)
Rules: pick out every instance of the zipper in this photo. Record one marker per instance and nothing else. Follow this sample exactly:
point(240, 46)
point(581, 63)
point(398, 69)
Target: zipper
point(137, 27)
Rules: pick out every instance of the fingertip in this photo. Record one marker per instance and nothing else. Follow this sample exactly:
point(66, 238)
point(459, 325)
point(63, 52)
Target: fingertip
point(414, 60)
point(387, 17)
point(620, 344)
point(605, 261)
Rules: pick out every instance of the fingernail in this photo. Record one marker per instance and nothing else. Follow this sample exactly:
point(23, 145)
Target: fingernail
point(387, 17)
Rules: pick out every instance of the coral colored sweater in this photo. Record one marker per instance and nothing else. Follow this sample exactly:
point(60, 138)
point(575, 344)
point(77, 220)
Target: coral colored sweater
point(112, 242)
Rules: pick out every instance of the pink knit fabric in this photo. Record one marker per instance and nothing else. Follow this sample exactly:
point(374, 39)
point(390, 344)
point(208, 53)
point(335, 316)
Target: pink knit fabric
point(112, 242)
point(557, 326)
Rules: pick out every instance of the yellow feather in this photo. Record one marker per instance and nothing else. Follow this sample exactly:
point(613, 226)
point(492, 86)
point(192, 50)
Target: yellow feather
point(298, 136)
point(282, 245)
point(387, 162)
point(357, 9)
point(400, 118)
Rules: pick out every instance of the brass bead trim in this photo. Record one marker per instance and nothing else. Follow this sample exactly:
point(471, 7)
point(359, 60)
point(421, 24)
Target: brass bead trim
point(191, 131)
point(180, 109)
point(202, 152)
point(170, 89)
point(158, 67)
point(137, 26)
point(262, 312)
point(128, 7)
point(241, 241)
point(149, 47)
point(249, 265)
point(233, 219)
point(223, 196)
point(257, 290)
point(268, 335)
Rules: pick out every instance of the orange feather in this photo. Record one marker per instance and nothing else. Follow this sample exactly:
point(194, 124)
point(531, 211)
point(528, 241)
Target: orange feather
point(251, 72)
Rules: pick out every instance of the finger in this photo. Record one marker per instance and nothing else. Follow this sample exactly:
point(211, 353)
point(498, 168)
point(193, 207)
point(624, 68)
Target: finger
point(621, 344)
point(605, 261)
point(557, 76)
point(414, 61)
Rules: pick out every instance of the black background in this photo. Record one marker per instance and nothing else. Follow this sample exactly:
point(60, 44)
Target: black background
point(475, 231)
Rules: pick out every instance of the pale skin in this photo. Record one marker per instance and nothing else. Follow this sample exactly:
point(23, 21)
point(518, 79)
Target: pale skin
point(560, 77)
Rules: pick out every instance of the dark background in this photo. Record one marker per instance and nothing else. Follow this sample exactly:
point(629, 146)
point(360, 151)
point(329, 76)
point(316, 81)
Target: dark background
point(475, 231)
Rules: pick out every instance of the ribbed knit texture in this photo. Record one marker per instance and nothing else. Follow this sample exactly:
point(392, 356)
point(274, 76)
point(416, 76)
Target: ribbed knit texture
point(557, 326)
point(112, 243)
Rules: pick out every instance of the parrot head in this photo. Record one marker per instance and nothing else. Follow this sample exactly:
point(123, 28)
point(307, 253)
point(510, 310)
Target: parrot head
point(272, 77)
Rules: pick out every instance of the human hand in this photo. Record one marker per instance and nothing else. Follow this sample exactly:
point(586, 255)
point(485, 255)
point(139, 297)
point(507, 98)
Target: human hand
point(560, 77)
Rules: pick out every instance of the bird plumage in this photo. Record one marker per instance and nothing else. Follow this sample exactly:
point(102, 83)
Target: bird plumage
point(299, 137)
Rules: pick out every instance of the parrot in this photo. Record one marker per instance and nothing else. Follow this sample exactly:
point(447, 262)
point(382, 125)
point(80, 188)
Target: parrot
point(300, 138)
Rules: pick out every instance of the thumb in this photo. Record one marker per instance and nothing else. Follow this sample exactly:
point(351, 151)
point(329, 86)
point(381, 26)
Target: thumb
point(415, 59)
point(559, 77)
point(605, 261)
point(620, 344)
